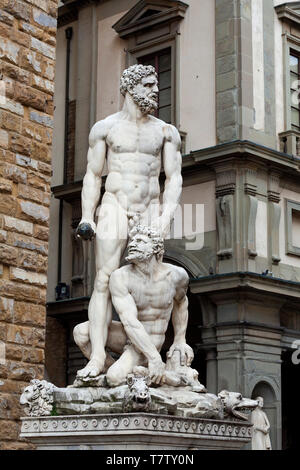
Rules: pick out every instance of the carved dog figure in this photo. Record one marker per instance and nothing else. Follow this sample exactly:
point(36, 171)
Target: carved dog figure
point(234, 404)
point(137, 398)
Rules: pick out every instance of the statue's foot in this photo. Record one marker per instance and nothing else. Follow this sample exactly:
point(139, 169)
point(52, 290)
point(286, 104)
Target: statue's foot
point(93, 369)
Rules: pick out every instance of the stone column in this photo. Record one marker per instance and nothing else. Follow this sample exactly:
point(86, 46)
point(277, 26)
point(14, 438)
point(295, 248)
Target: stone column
point(27, 60)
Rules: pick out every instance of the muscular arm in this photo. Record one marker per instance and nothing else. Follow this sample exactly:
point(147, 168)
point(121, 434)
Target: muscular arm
point(92, 181)
point(180, 319)
point(127, 310)
point(173, 185)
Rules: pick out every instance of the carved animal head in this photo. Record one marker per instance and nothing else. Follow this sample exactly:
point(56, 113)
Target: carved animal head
point(138, 388)
point(38, 398)
point(235, 405)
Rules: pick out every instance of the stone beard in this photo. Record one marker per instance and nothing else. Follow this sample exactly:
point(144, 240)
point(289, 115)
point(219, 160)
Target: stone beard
point(146, 105)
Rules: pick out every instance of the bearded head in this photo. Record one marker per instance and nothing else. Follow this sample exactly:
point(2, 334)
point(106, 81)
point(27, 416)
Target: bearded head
point(143, 244)
point(140, 81)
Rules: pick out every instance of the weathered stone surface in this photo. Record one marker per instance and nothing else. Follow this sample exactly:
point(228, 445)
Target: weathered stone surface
point(16, 73)
point(12, 106)
point(27, 62)
point(8, 204)
point(41, 232)
point(22, 292)
point(10, 121)
point(6, 18)
point(28, 243)
point(9, 51)
point(40, 152)
point(5, 186)
point(32, 30)
point(34, 212)
point(28, 313)
point(21, 226)
point(18, 9)
point(6, 309)
point(33, 194)
point(20, 144)
point(3, 139)
point(28, 277)
point(41, 118)
point(30, 97)
point(45, 21)
point(13, 172)
point(45, 49)
point(3, 236)
point(31, 61)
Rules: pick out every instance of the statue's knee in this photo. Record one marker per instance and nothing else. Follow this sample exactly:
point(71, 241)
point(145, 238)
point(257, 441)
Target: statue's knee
point(101, 282)
point(114, 377)
point(80, 334)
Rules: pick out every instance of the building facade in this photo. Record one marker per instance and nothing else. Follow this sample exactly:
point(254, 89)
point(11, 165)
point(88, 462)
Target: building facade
point(229, 79)
point(27, 69)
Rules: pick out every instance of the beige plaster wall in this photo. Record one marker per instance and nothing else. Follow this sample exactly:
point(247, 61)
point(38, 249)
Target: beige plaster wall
point(111, 63)
point(202, 195)
point(58, 153)
point(197, 95)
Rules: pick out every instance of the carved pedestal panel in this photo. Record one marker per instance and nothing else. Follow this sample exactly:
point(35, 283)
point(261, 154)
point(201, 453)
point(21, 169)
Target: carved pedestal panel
point(134, 431)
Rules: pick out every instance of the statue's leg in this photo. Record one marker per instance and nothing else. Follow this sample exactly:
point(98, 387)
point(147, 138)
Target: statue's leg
point(117, 373)
point(109, 249)
point(117, 338)
point(82, 338)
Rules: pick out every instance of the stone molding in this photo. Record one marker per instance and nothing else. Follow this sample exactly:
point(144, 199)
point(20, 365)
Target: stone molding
point(133, 21)
point(132, 422)
point(288, 13)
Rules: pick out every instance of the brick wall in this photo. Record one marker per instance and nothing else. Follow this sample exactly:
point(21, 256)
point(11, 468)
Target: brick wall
point(27, 60)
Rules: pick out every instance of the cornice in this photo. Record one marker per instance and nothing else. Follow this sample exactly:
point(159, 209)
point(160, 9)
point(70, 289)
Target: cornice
point(287, 13)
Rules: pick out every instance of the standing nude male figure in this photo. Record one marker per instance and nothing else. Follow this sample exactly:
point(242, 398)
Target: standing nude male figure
point(134, 143)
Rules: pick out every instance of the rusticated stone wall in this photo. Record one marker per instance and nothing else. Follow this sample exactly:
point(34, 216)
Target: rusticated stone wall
point(27, 62)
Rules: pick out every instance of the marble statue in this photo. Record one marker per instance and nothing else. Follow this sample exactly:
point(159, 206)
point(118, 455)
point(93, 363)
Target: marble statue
point(146, 293)
point(261, 428)
point(134, 144)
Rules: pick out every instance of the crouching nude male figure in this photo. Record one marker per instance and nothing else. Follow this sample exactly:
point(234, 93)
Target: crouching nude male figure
point(134, 143)
point(145, 294)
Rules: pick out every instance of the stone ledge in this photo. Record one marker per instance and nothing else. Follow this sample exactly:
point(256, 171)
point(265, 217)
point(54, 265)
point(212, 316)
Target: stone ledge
point(138, 429)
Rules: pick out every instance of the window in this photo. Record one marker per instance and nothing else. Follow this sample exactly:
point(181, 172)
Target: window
point(293, 227)
point(161, 61)
point(294, 68)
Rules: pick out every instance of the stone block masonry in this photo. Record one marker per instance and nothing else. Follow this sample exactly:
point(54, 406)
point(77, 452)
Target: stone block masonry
point(27, 62)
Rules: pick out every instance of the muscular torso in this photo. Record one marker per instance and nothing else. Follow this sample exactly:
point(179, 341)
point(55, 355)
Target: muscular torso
point(154, 301)
point(134, 162)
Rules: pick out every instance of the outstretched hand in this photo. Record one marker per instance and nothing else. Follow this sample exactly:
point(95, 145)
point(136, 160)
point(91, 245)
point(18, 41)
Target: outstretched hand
point(186, 353)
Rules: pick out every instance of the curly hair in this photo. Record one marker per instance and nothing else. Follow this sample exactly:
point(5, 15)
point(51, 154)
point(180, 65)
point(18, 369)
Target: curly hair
point(133, 75)
point(157, 240)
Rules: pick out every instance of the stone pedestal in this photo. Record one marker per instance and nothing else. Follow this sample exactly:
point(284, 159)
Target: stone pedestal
point(134, 431)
